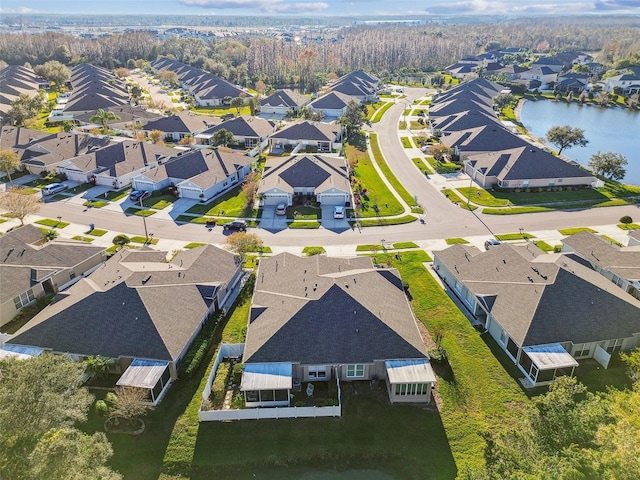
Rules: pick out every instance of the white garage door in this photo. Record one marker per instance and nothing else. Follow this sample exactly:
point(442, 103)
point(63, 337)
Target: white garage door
point(186, 192)
point(332, 199)
point(274, 199)
point(142, 185)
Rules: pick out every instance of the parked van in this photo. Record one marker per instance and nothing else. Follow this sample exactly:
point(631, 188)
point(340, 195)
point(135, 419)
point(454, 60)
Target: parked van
point(53, 188)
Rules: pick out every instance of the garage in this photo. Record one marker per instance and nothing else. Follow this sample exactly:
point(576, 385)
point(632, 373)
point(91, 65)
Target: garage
point(274, 198)
point(190, 192)
point(333, 198)
point(143, 185)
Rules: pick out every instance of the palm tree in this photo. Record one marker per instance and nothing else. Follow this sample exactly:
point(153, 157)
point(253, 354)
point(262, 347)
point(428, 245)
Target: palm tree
point(102, 117)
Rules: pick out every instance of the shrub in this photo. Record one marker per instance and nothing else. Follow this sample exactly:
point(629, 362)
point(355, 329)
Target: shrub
point(101, 408)
point(238, 368)
point(219, 386)
point(196, 353)
point(121, 240)
point(626, 219)
point(110, 398)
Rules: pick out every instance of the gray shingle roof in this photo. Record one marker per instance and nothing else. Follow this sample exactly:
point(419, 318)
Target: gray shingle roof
point(540, 298)
point(320, 310)
point(245, 126)
point(285, 98)
point(306, 130)
point(305, 171)
point(137, 305)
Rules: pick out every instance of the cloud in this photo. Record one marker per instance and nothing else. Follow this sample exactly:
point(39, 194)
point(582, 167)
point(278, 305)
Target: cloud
point(505, 7)
point(19, 10)
point(262, 6)
point(609, 5)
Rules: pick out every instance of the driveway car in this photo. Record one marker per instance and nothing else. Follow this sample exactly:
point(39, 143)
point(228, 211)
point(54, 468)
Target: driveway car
point(237, 225)
point(338, 212)
point(491, 242)
point(53, 188)
point(281, 209)
point(138, 195)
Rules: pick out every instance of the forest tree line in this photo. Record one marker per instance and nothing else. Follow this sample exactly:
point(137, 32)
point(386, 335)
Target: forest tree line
point(389, 51)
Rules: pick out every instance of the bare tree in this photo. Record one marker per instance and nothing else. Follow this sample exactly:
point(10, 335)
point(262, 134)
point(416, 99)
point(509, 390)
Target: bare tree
point(19, 203)
point(131, 403)
point(250, 187)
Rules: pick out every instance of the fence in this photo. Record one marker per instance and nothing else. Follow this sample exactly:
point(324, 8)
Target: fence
point(275, 412)
point(227, 350)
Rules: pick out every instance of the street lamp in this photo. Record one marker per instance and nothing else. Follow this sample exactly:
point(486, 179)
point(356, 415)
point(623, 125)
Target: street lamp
point(144, 222)
point(469, 191)
point(59, 220)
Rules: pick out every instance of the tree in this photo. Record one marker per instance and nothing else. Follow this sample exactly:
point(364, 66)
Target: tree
point(98, 366)
point(69, 454)
point(18, 203)
point(130, 404)
point(9, 161)
point(566, 137)
point(187, 141)
point(237, 103)
point(122, 72)
point(223, 137)
point(440, 152)
point(54, 71)
point(503, 100)
point(103, 117)
point(626, 220)
point(609, 164)
point(36, 396)
point(157, 136)
point(25, 107)
point(250, 187)
point(254, 106)
point(353, 118)
point(168, 76)
point(242, 243)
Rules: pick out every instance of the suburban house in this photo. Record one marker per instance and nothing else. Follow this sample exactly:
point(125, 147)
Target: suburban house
point(314, 177)
point(524, 167)
point(130, 119)
point(541, 73)
point(512, 72)
point(139, 310)
point(332, 105)
point(32, 267)
point(115, 165)
point(247, 130)
point(486, 138)
point(283, 102)
point(462, 71)
point(206, 88)
point(199, 175)
point(40, 152)
point(546, 311)
point(14, 81)
point(620, 265)
point(571, 82)
point(628, 82)
point(360, 85)
point(554, 63)
point(182, 124)
point(93, 88)
point(326, 137)
point(320, 319)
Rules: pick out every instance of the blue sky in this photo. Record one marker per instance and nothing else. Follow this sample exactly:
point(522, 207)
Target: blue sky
point(324, 7)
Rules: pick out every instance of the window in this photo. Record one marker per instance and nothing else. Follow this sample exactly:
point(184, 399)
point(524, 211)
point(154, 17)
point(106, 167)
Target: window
point(582, 350)
point(317, 371)
point(402, 389)
point(24, 299)
point(503, 337)
point(615, 345)
point(355, 371)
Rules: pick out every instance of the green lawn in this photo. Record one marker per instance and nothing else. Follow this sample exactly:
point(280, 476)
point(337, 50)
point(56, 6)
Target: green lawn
point(379, 222)
point(158, 202)
point(83, 187)
point(377, 191)
point(304, 213)
point(629, 226)
point(513, 236)
point(95, 203)
point(571, 231)
point(116, 195)
point(456, 240)
point(406, 142)
point(231, 204)
point(453, 196)
point(84, 239)
point(144, 240)
point(479, 391)
point(422, 165)
point(303, 225)
point(139, 212)
point(403, 245)
point(611, 240)
point(50, 222)
point(97, 232)
point(384, 166)
point(378, 115)
point(313, 250)
point(542, 245)
point(191, 245)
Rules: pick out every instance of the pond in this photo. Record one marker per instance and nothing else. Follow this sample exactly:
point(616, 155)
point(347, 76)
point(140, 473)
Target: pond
point(611, 129)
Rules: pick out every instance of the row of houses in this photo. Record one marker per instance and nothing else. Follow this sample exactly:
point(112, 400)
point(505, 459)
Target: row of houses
point(312, 319)
point(16, 80)
point(492, 154)
point(550, 311)
point(546, 71)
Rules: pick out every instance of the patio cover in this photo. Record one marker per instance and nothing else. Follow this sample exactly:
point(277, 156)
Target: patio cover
point(266, 376)
point(19, 351)
point(548, 357)
point(142, 373)
point(410, 371)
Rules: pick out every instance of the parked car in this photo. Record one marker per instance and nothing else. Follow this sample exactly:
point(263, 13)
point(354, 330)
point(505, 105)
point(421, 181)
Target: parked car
point(281, 209)
point(138, 195)
point(338, 212)
point(53, 188)
point(238, 225)
point(491, 242)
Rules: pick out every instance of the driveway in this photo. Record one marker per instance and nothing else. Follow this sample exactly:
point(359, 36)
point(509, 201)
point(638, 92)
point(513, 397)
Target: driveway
point(334, 224)
point(272, 222)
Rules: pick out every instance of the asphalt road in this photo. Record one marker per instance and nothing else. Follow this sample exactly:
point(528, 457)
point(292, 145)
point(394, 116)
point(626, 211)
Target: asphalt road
point(443, 219)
